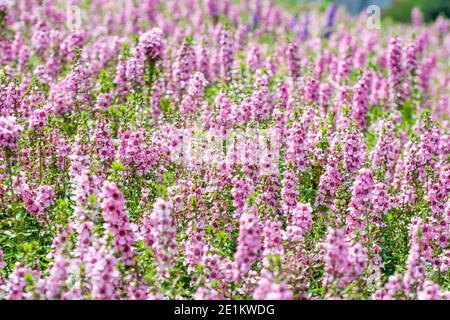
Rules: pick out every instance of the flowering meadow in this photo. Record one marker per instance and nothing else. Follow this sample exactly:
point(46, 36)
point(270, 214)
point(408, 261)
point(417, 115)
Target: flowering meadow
point(206, 149)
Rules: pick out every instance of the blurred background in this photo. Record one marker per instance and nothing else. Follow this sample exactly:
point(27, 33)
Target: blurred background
point(397, 10)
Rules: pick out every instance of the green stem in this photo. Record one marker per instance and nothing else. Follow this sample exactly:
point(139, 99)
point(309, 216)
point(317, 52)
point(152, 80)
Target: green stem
point(9, 164)
point(150, 74)
point(8, 154)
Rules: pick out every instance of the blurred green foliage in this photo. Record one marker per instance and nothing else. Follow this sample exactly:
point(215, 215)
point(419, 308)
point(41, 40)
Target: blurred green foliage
point(401, 9)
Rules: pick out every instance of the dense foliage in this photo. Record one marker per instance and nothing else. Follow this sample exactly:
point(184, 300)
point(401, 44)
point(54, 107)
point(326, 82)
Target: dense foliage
point(210, 149)
point(430, 10)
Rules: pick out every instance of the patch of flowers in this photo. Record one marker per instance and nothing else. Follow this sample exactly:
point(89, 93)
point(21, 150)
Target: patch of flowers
point(210, 149)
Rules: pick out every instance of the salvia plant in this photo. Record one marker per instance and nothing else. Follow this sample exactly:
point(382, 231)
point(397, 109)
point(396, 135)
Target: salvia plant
point(210, 149)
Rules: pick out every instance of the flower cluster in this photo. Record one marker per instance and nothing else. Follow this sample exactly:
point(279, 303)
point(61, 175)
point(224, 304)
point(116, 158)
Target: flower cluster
point(9, 132)
point(188, 149)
